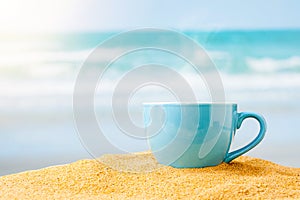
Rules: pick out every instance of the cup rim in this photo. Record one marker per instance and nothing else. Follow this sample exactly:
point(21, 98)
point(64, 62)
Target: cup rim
point(189, 103)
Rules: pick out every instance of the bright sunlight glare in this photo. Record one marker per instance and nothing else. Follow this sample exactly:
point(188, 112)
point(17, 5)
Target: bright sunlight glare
point(33, 15)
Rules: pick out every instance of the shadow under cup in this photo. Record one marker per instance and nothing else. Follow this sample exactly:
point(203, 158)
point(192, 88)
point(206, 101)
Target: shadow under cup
point(188, 135)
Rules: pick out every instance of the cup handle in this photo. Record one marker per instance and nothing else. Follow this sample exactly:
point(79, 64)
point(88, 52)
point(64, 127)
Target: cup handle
point(262, 123)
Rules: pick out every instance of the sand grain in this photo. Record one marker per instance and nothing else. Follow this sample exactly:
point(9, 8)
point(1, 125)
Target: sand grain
point(244, 178)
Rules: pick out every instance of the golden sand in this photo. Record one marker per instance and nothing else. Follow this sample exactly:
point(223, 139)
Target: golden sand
point(244, 178)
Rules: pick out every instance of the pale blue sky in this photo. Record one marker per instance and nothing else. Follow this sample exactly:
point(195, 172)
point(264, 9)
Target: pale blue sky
point(196, 14)
point(93, 15)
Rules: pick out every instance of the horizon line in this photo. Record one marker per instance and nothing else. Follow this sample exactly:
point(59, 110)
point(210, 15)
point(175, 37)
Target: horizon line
point(11, 33)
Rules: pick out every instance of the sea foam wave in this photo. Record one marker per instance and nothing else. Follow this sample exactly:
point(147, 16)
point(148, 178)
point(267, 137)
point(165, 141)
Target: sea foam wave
point(268, 65)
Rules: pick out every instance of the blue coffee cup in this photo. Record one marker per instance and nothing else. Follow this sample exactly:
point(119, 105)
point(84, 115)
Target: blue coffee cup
point(192, 135)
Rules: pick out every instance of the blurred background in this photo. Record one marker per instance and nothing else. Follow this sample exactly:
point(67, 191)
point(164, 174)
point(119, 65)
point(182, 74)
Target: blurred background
point(254, 44)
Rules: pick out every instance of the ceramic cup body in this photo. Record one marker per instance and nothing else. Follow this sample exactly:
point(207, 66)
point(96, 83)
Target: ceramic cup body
point(188, 135)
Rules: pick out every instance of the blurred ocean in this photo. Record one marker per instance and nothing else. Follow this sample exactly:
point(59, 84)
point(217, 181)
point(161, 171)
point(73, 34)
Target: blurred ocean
point(260, 71)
